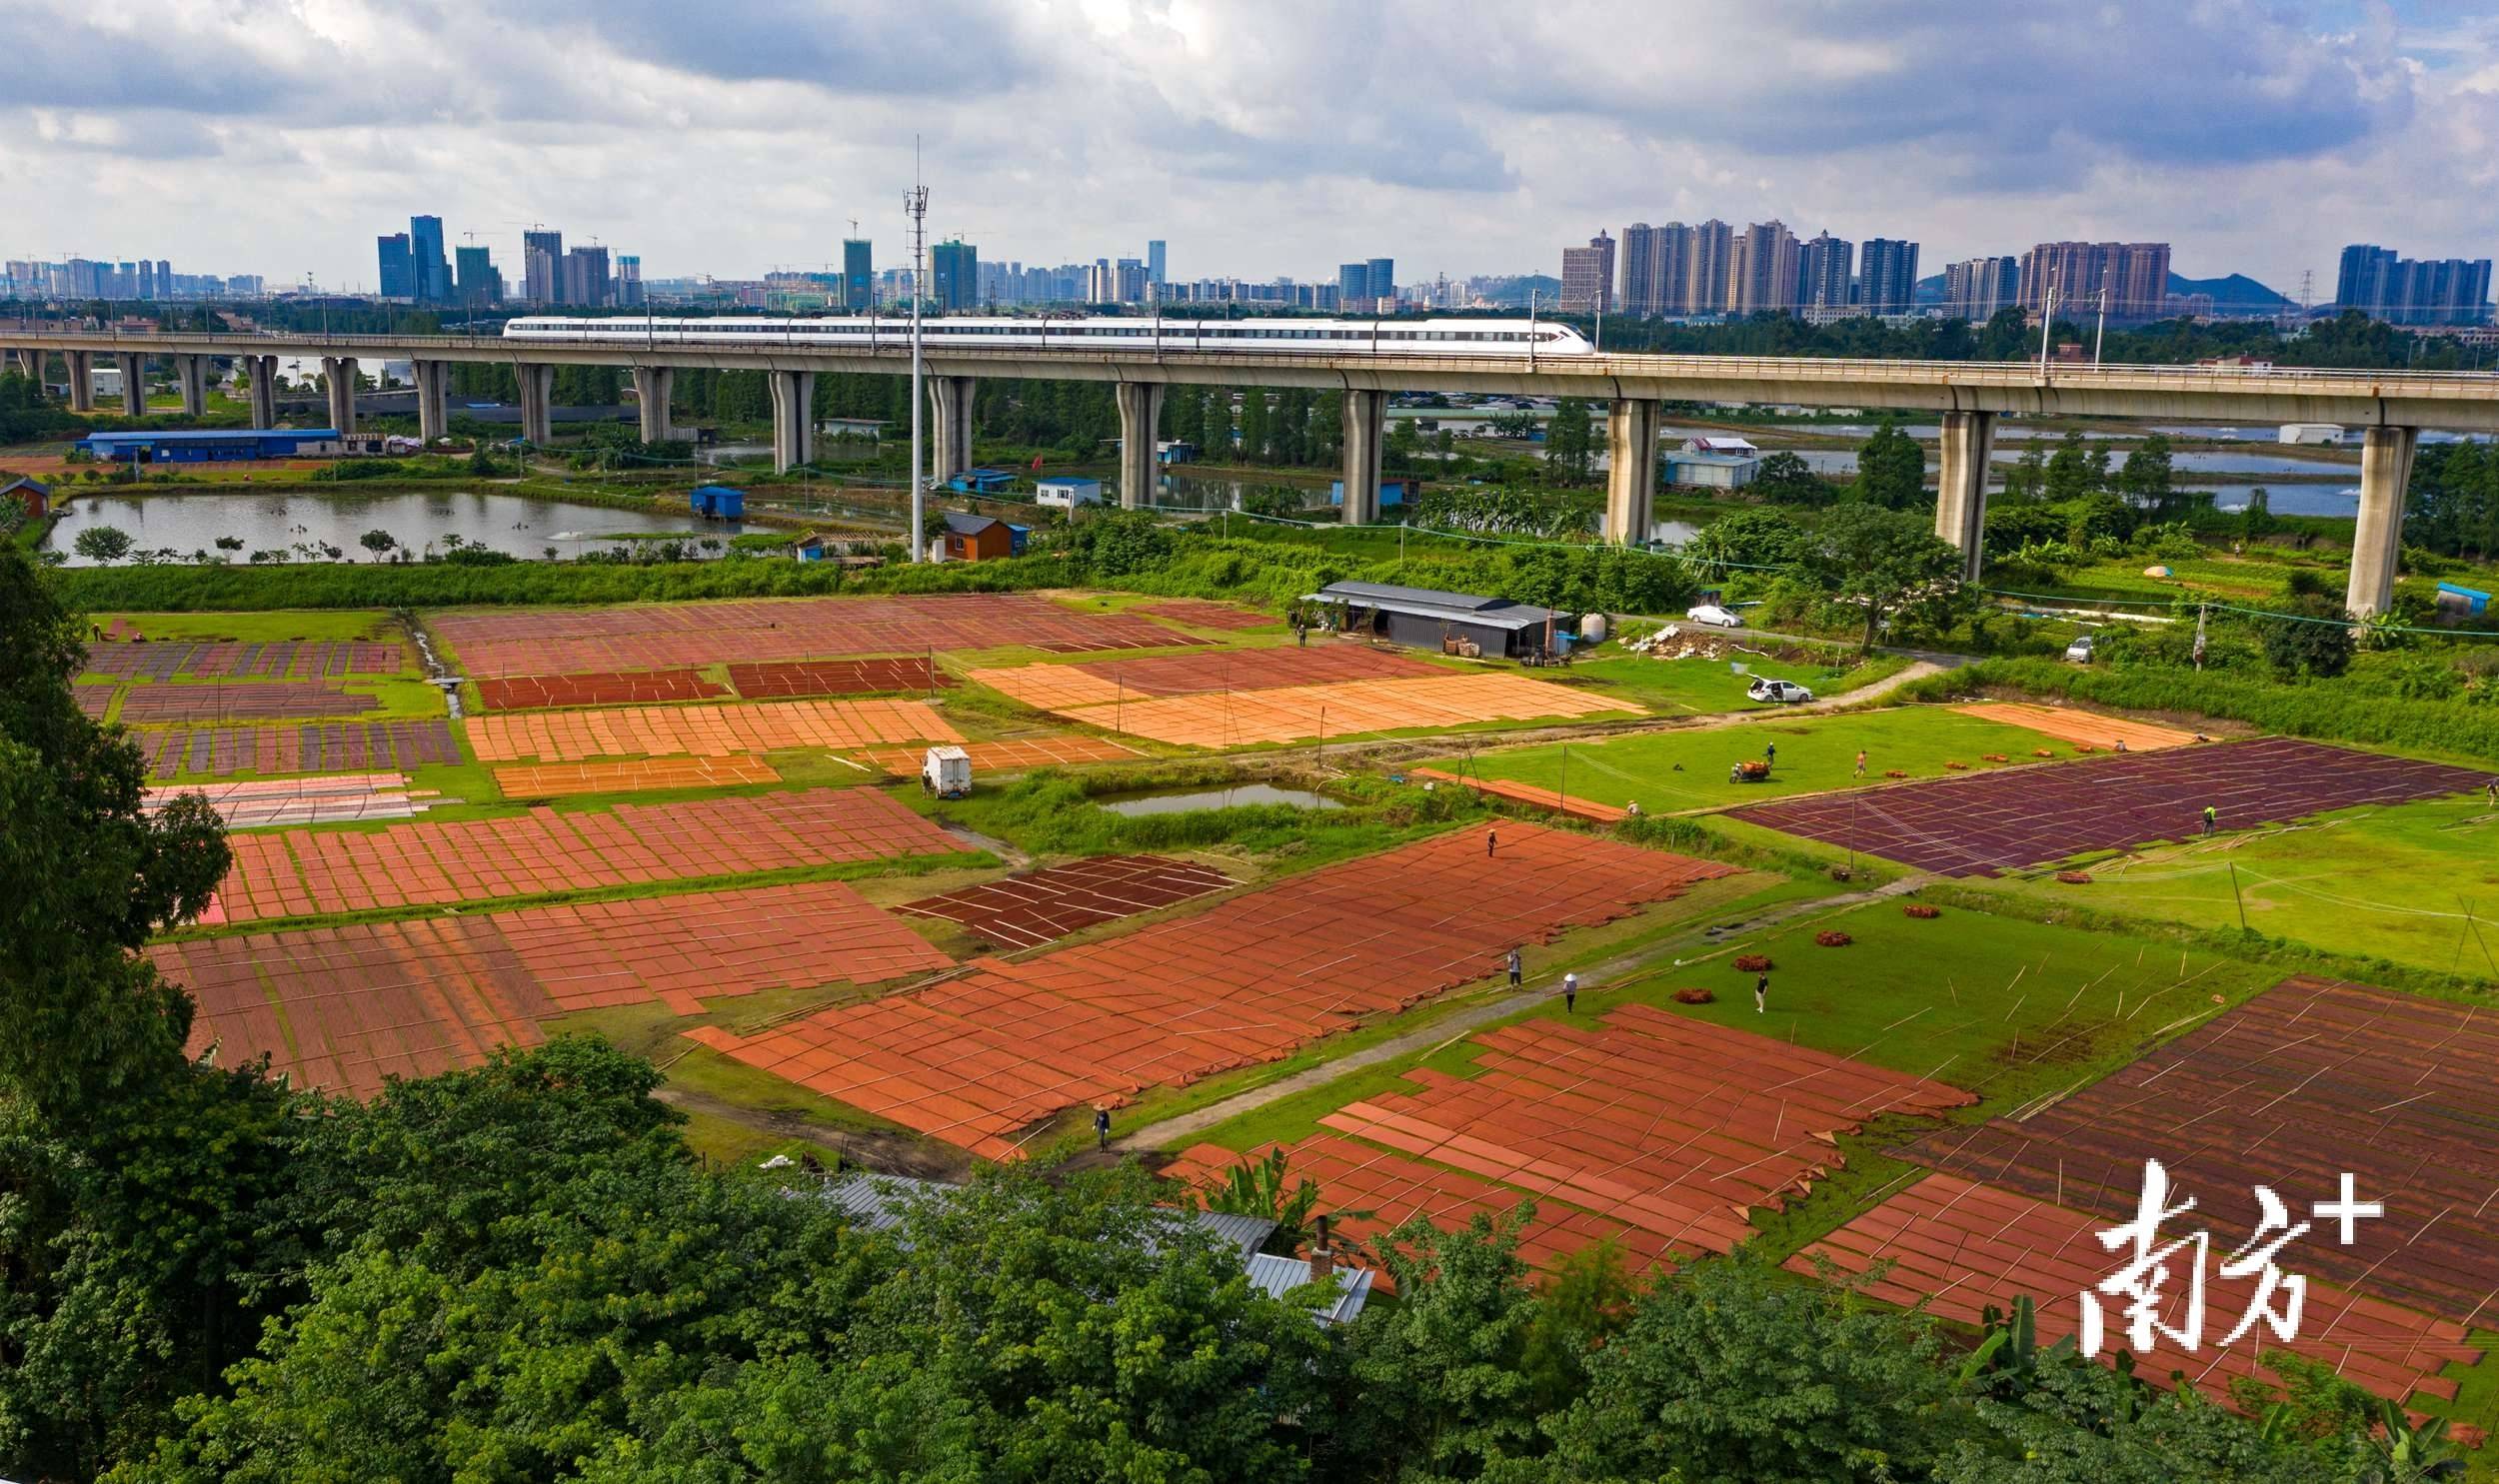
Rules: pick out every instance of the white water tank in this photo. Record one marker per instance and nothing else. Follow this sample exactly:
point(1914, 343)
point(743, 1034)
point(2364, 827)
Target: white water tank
point(1592, 629)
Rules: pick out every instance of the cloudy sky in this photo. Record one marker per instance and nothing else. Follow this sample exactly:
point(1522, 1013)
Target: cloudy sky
point(1257, 136)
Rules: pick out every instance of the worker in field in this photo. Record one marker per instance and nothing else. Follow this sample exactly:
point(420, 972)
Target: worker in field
point(1770, 755)
point(1860, 762)
point(2212, 817)
point(1518, 967)
point(1761, 995)
point(1571, 993)
point(1491, 838)
point(2491, 789)
point(1101, 1126)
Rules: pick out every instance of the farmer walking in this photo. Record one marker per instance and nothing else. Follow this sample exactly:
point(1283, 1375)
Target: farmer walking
point(1571, 993)
point(1761, 995)
point(1491, 838)
point(1101, 1126)
point(1770, 755)
point(1860, 762)
point(1518, 966)
point(2212, 817)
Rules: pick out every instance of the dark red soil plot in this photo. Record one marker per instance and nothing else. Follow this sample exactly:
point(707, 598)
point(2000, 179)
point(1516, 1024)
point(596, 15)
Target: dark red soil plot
point(2309, 1080)
point(596, 687)
point(1256, 670)
point(317, 746)
point(94, 698)
point(241, 701)
point(977, 1060)
point(305, 660)
point(1961, 1248)
point(1995, 822)
point(834, 677)
point(1025, 911)
point(1162, 639)
point(1200, 614)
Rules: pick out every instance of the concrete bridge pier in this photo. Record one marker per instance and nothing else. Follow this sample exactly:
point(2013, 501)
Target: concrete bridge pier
point(134, 382)
point(653, 387)
point(794, 418)
point(1365, 431)
point(81, 366)
point(1631, 470)
point(338, 374)
point(1961, 489)
point(261, 372)
point(1141, 413)
point(30, 362)
point(950, 414)
point(538, 399)
point(432, 398)
point(190, 375)
point(2385, 470)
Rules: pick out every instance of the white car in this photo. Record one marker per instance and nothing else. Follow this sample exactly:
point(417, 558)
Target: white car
point(1786, 692)
point(2079, 651)
point(1715, 617)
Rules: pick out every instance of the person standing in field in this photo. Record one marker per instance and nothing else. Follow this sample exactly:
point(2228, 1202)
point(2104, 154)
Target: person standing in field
point(1761, 995)
point(1860, 762)
point(1518, 967)
point(1571, 993)
point(2212, 817)
point(1491, 838)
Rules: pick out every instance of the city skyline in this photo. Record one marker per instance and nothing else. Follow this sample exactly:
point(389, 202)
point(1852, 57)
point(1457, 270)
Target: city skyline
point(278, 150)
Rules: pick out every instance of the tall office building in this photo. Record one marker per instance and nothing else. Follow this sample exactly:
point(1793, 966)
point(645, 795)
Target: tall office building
point(2134, 276)
point(477, 285)
point(954, 276)
point(1976, 288)
point(1155, 265)
point(585, 278)
point(1383, 279)
point(2407, 291)
point(1825, 270)
point(859, 275)
point(1887, 276)
point(541, 266)
point(425, 247)
point(1587, 276)
point(1353, 282)
point(1761, 268)
point(147, 281)
point(1708, 270)
point(164, 278)
point(398, 268)
point(629, 280)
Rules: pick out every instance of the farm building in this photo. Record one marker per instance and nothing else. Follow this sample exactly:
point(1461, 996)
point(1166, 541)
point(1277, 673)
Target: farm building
point(1722, 443)
point(1392, 493)
point(1711, 471)
point(222, 445)
point(719, 502)
point(982, 482)
point(2470, 603)
point(30, 496)
point(979, 538)
point(1068, 491)
point(1429, 619)
point(2309, 432)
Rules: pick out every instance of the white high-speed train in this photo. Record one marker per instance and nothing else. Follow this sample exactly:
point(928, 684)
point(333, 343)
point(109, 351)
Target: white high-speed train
point(1520, 337)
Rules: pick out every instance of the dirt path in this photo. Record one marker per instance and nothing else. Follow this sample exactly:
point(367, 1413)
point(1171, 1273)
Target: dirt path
point(1721, 937)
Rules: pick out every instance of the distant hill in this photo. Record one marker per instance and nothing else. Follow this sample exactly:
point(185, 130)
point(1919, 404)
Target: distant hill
point(2237, 292)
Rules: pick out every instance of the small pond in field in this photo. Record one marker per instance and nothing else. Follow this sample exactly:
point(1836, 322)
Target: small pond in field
point(280, 519)
point(1181, 800)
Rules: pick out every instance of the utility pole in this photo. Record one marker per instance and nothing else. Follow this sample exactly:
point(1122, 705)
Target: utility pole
point(916, 204)
point(2101, 335)
point(2047, 324)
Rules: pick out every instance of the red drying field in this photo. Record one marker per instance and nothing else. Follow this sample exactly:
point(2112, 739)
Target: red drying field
point(311, 872)
point(834, 677)
point(1198, 613)
point(659, 636)
point(306, 659)
point(1962, 1247)
point(246, 700)
point(2310, 1079)
point(1256, 670)
point(978, 1059)
point(316, 746)
point(1027, 910)
point(597, 687)
point(344, 1007)
point(1986, 823)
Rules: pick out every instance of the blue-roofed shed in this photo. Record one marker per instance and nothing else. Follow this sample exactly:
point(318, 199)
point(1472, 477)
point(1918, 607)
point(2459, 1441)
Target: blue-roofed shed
point(1391, 492)
point(2454, 597)
point(216, 445)
point(719, 502)
point(982, 481)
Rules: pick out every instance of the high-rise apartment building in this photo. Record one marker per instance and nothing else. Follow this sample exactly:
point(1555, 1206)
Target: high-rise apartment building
point(399, 279)
point(1587, 276)
point(1657, 268)
point(1887, 276)
point(1976, 288)
point(1761, 269)
point(431, 271)
point(147, 281)
point(2409, 291)
point(954, 276)
point(585, 276)
point(1706, 272)
point(1825, 272)
point(2133, 274)
point(541, 266)
point(859, 275)
point(476, 284)
point(628, 279)
point(1383, 278)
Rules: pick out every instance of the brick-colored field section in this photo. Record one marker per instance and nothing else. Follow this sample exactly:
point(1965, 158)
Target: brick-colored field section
point(2088, 727)
point(1994, 822)
point(1963, 1246)
point(599, 688)
point(1198, 613)
point(329, 799)
point(659, 636)
point(2308, 1081)
point(1547, 799)
point(239, 702)
point(834, 677)
point(1350, 707)
point(704, 731)
point(1027, 910)
point(344, 1007)
point(978, 1059)
point(1256, 670)
point(305, 660)
point(309, 872)
point(94, 698)
point(633, 776)
point(319, 747)
point(1052, 686)
point(1012, 755)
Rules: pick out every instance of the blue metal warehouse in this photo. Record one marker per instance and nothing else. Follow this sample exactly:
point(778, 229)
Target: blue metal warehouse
point(216, 445)
point(719, 501)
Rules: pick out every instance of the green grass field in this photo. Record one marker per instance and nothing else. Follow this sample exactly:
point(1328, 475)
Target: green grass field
point(1691, 688)
point(1670, 770)
point(2415, 885)
point(275, 624)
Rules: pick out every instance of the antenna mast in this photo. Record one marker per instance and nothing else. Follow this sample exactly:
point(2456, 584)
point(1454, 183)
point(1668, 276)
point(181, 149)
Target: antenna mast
point(916, 206)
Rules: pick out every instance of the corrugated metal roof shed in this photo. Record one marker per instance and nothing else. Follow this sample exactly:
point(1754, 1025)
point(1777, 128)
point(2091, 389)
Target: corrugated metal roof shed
point(1278, 1276)
point(880, 1202)
point(1391, 592)
point(1426, 603)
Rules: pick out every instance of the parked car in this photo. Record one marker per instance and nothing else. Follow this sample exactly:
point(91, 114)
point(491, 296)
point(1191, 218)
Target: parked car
point(1786, 692)
point(1715, 617)
point(2079, 651)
